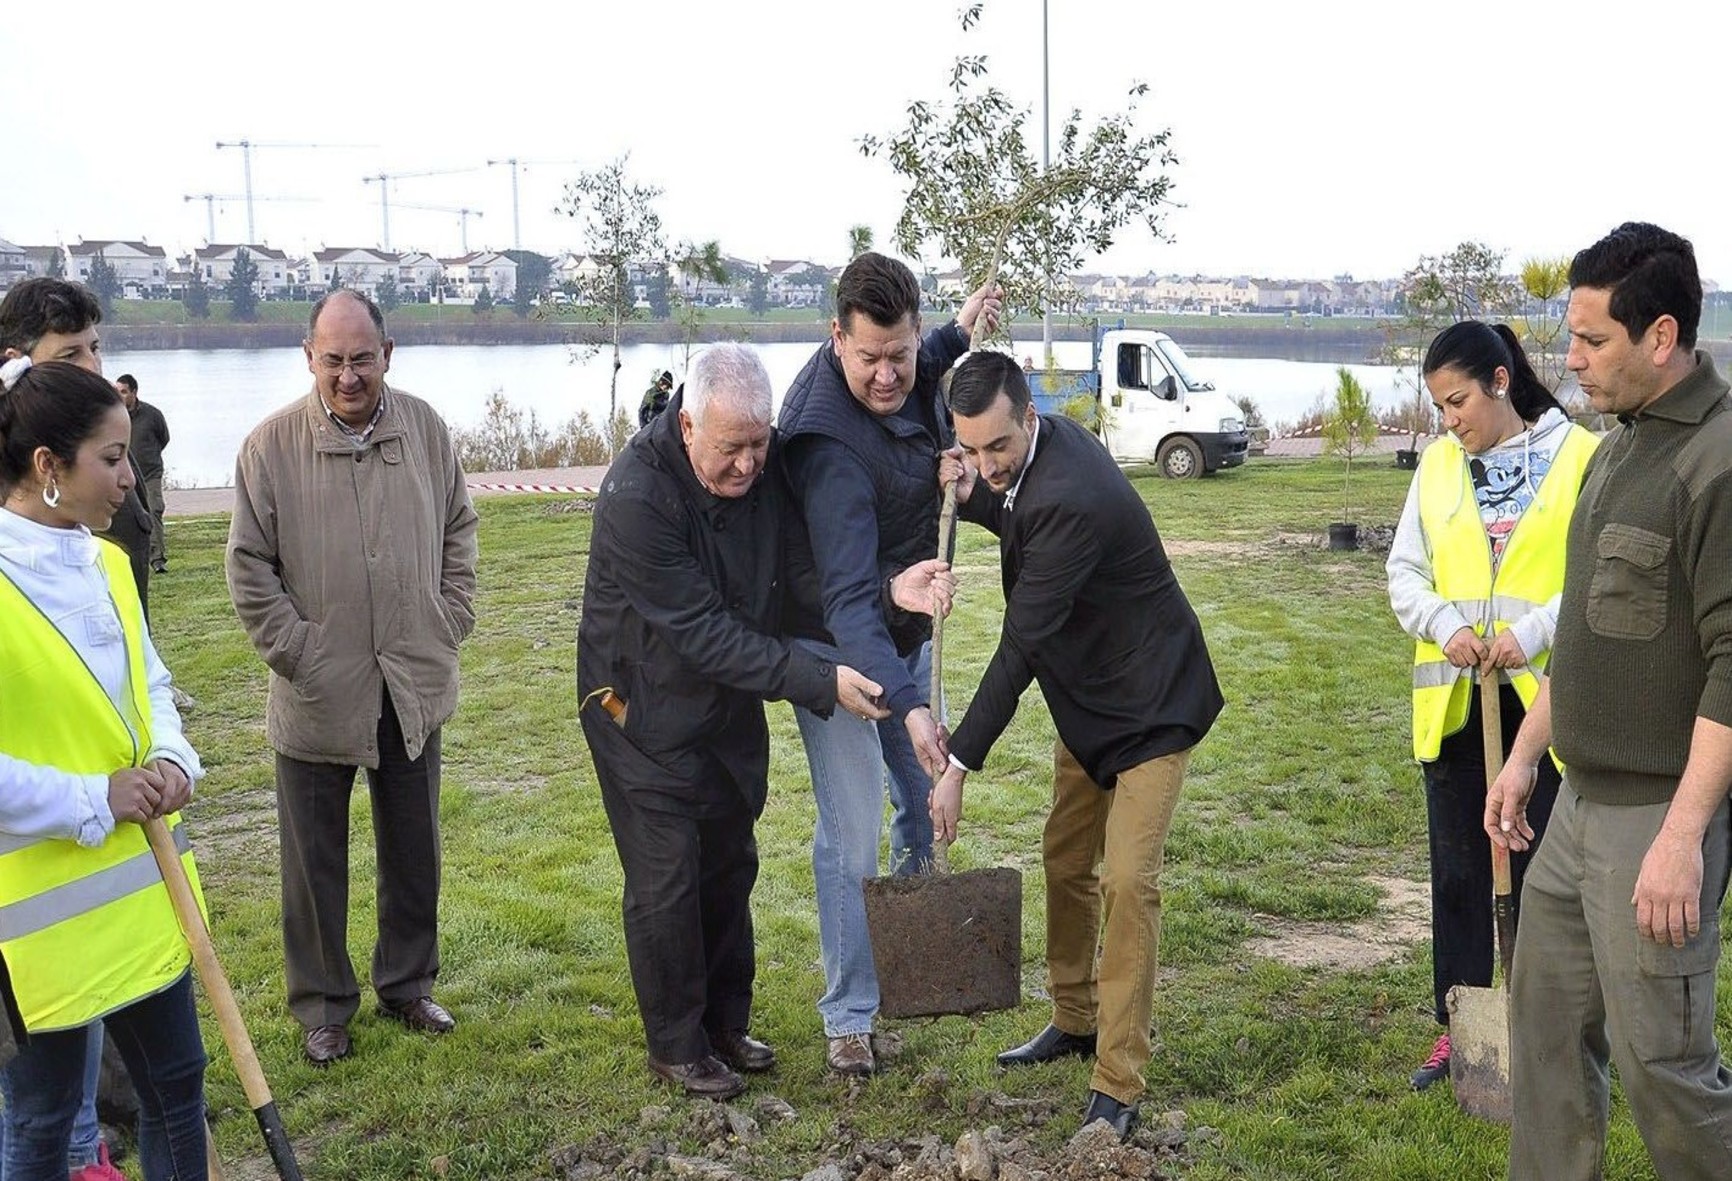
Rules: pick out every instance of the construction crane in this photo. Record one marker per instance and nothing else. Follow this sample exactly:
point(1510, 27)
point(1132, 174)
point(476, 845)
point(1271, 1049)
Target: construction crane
point(210, 200)
point(463, 216)
point(384, 179)
point(515, 164)
point(246, 146)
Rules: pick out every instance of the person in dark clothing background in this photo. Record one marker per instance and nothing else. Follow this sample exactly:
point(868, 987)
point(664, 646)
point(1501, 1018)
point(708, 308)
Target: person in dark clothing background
point(695, 551)
point(149, 438)
point(655, 399)
point(1095, 615)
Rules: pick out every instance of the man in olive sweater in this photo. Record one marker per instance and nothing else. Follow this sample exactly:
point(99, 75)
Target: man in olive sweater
point(1620, 933)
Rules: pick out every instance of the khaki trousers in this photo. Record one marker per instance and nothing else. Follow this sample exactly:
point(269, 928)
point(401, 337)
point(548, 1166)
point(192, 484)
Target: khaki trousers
point(1103, 852)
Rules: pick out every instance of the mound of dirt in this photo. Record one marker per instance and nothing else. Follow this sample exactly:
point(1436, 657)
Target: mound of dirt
point(728, 1142)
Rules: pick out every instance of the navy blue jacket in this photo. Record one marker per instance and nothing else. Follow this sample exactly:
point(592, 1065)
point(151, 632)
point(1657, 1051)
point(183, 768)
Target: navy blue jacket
point(1093, 612)
point(868, 487)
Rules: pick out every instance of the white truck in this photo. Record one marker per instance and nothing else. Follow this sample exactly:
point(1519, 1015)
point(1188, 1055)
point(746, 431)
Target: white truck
point(1152, 408)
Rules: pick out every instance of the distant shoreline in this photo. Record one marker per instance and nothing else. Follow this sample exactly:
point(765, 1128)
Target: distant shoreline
point(1316, 339)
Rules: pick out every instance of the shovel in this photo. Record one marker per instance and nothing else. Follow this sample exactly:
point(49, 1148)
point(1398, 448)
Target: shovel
point(946, 942)
point(222, 1000)
point(1479, 1017)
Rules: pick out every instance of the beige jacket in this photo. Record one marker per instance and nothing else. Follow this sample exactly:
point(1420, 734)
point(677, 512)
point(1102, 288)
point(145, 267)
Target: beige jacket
point(352, 571)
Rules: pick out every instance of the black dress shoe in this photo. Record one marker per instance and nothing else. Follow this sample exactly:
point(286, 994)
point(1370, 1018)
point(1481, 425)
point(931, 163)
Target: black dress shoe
point(325, 1044)
point(1121, 1117)
point(423, 1014)
point(1050, 1044)
point(707, 1078)
point(742, 1051)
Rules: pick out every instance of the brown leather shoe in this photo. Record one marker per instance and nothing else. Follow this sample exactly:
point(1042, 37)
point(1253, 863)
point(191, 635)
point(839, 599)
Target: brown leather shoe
point(325, 1044)
point(742, 1051)
point(851, 1054)
point(707, 1078)
point(423, 1014)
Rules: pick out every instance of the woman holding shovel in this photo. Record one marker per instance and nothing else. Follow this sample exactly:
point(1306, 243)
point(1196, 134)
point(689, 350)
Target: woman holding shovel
point(90, 748)
point(1474, 576)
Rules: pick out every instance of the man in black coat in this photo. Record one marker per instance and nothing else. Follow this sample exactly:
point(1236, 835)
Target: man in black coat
point(1094, 613)
point(695, 548)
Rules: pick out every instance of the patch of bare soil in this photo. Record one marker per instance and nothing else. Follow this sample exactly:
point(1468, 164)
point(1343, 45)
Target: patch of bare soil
point(583, 506)
point(1229, 549)
point(1373, 539)
point(236, 824)
point(722, 1142)
point(1402, 921)
point(487, 785)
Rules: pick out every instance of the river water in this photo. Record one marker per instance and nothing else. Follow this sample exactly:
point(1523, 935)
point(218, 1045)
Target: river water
point(212, 398)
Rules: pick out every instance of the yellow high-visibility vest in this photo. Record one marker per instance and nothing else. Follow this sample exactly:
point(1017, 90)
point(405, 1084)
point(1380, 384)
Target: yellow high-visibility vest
point(83, 932)
point(1531, 572)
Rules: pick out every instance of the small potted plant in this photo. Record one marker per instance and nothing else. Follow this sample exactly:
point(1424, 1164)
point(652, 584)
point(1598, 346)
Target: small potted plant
point(1349, 430)
point(1416, 416)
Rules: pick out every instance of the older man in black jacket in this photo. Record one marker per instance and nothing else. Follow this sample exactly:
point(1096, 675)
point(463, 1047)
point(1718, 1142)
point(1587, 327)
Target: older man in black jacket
point(695, 548)
point(1092, 612)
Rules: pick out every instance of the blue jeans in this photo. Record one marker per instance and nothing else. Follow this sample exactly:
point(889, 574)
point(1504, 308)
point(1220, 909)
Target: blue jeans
point(851, 761)
point(86, 1130)
point(158, 1038)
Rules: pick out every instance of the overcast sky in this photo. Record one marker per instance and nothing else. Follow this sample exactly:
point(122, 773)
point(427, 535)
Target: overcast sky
point(1314, 139)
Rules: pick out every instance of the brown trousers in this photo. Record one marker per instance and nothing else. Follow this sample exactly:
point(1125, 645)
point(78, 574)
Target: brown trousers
point(1103, 852)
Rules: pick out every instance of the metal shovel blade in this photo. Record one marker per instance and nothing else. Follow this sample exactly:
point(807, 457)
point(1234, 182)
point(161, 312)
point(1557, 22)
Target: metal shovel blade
point(1479, 1051)
point(946, 942)
point(1479, 1054)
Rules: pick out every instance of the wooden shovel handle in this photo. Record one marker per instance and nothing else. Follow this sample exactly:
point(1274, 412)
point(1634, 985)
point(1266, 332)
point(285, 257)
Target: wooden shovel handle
point(1491, 713)
point(222, 998)
point(946, 528)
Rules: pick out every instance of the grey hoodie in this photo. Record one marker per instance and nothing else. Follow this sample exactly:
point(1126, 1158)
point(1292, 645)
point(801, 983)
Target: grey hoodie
point(1422, 612)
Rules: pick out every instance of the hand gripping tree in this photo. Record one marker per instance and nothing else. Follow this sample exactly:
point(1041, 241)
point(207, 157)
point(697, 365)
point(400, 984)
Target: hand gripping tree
point(977, 190)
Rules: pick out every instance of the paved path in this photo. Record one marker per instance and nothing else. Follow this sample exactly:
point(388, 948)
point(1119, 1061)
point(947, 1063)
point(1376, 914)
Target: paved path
point(192, 502)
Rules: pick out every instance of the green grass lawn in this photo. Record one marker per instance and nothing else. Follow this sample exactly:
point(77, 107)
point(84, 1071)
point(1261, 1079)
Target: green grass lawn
point(1299, 810)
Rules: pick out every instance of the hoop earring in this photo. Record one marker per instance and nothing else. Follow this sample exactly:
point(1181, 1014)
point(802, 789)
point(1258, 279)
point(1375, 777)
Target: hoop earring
point(51, 494)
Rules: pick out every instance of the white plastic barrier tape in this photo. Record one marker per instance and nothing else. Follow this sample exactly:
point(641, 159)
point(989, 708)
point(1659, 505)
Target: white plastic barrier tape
point(476, 487)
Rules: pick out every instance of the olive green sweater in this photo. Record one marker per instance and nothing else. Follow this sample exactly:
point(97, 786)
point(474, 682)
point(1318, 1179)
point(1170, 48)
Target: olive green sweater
point(1644, 638)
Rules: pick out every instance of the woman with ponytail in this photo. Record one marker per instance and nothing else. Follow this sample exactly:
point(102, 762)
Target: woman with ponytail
point(90, 748)
point(1475, 571)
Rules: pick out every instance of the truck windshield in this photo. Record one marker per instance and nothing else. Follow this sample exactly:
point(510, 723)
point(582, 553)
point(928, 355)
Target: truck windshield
point(1182, 366)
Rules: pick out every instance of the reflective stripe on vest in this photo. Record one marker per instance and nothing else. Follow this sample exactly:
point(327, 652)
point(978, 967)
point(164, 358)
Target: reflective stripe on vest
point(83, 931)
point(1531, 572)
point(40, 911)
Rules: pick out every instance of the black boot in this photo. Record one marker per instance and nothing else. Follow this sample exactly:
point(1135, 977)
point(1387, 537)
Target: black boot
point(1049, 1045)
point(1121, 1117)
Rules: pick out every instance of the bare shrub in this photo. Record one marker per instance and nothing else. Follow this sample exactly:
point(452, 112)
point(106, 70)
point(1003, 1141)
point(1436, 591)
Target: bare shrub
point(512, 439)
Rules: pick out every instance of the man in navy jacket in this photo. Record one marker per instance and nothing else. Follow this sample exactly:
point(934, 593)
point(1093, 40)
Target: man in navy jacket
point(1094, 613)
point(864, 424)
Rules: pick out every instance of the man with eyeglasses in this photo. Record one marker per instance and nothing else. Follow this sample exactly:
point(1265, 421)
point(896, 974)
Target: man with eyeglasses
point(351, 563)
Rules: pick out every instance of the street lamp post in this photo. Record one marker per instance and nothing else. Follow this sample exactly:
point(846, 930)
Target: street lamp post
point(1045, 164)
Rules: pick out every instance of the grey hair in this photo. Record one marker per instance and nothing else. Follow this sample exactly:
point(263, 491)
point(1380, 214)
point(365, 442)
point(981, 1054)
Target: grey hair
point(733, 374)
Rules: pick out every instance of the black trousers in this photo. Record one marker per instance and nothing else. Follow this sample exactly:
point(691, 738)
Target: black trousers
point(313, 813)
point(688, 919)
point(1462, 934)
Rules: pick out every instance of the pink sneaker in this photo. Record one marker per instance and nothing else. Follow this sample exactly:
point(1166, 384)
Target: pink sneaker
point(1436, 1067)
point(102, 1170)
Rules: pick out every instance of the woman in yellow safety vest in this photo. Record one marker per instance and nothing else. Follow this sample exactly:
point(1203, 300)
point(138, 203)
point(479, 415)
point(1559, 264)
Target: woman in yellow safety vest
point(90, 748)
point(1475, 571)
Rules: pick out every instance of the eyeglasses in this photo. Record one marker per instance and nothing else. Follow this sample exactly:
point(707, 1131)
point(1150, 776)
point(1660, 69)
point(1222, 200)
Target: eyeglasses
point(362, 366)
